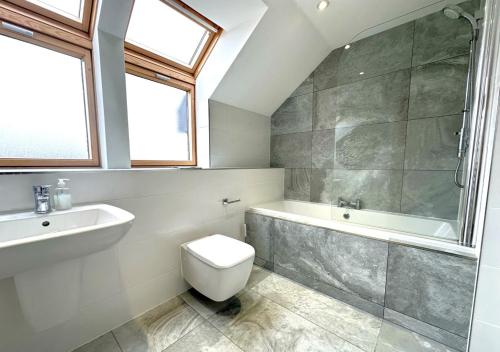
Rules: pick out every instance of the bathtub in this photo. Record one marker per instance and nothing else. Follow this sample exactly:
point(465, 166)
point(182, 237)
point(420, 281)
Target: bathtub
point(436, 234)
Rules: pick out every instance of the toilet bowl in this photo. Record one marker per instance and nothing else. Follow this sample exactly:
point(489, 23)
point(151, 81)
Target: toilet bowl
point(217, 266)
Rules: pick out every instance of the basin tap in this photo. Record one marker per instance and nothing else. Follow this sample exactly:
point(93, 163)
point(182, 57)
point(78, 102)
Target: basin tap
point(42, 199)
point(341, 203)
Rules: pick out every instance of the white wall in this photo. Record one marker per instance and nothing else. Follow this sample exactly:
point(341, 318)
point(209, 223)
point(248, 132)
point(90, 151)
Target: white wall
point(142, 270)
point(486, 319)
point(239, 138)
point(281, 52)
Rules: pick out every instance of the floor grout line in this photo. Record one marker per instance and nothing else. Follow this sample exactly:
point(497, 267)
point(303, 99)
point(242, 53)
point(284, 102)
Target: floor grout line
point(116, 340)
point(303, 317)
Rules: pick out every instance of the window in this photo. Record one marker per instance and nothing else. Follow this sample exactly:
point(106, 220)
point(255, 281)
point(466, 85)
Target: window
point(171, 32)
point(74, 13)
point(47, 115)
point(166, 45)
point(160, 119)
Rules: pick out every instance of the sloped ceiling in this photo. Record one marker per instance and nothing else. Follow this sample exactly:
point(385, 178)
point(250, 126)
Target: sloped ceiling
point(293, 37)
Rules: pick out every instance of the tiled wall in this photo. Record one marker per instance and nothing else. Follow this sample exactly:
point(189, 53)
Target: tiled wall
point(143, 269)
point(238, 138)
point(378, 121)
point(423, 290)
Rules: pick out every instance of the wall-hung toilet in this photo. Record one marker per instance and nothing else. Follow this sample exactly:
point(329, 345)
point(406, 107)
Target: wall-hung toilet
point(217, 266)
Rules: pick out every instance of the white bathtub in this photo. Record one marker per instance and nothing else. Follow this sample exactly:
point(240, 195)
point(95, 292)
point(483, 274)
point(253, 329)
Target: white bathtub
point(418, 231)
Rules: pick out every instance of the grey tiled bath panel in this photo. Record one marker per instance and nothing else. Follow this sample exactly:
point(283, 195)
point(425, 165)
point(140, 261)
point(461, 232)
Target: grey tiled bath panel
point(426, 291)
point(431, 287)
point(258, 229)
point(353, 264)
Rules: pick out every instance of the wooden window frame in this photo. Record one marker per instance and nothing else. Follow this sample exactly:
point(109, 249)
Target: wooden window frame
point(85, 55)
point(83, 26)
point(35, 20)
point(214, 33)
point(189, 87)
point(146, 64)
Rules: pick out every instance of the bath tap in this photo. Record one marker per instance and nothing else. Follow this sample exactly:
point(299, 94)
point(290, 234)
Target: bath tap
point(341, 203)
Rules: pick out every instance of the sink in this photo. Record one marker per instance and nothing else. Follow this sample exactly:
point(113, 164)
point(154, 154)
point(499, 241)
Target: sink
point(29, 240)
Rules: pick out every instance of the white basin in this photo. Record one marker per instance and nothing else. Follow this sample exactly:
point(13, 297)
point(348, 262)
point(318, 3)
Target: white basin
point(29, 240)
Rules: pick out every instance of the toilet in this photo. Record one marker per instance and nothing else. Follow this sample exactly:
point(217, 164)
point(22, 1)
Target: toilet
point(217, 266)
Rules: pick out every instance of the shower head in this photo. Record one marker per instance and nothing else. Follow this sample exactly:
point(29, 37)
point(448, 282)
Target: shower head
point(455, 12)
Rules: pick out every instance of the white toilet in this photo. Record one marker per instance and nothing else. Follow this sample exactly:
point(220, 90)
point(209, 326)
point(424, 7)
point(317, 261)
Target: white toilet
point(217, 266)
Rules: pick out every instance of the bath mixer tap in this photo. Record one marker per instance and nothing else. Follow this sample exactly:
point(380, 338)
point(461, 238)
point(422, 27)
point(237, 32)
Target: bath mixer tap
point(42, 199)
point(341, 203)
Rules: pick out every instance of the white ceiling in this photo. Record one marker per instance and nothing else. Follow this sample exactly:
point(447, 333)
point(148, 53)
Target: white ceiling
point(293, 37)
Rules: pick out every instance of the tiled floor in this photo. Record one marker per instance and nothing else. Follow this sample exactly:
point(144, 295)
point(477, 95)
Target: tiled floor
point(276, 314)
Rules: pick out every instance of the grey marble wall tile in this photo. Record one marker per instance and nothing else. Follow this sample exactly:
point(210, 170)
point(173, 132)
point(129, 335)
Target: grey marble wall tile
point(438, 88)
point(297, 184)
point(262, 263)
point(379, 99)
point(321, 185)
point(381, 53)
point(447, 338)
point(394, 338)
point(105, 343)
point(259, 235)
point(294, 115)
point(433, 287)
point(323, 149)
point(377, 189)
point(349, 298)
point(379, 146)
point(291, 150)
point(438, 37)
point(351, 263)
point(431, 143)
point(304, 88)
point(430, 193)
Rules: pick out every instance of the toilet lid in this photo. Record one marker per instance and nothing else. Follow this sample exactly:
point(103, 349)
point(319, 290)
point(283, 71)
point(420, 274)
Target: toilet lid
point(220, 251)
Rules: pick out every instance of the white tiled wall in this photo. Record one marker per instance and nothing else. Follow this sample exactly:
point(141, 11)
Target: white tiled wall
point(238, 138)
point(486, 320)
point(142, 270)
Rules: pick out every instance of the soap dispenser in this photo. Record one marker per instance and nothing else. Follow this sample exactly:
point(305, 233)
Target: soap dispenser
point(62, 196)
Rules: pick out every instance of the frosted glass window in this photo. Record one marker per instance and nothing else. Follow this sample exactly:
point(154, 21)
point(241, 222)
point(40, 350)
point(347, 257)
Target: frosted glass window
point(43, 111)
point(158, 120)
point(157, 27)
point(68, 8)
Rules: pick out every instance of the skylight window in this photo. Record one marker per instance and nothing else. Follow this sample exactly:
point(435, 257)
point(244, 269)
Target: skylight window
point(69, 8)
point(74, 13)
point(169, 30)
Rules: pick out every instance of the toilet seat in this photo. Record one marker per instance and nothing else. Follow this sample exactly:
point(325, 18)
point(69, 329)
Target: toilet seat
point(220, 251)
point(217, 266)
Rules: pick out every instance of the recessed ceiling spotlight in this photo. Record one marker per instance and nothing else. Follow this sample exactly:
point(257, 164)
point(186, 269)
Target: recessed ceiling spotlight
point(347, 46)
point(361, 73)
point(323, 4)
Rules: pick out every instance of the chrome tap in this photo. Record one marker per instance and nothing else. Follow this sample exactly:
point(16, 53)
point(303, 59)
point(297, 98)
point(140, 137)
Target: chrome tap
point(341, 203)
point(42, 199)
